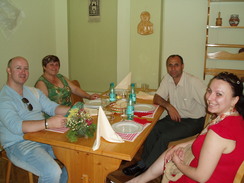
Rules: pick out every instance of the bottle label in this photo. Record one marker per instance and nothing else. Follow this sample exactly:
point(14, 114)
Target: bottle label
point(134, 98)
point(112, 97)
point(130, 110)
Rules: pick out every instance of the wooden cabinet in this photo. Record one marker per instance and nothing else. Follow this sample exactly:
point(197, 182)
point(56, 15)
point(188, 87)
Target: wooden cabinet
point(224, 42)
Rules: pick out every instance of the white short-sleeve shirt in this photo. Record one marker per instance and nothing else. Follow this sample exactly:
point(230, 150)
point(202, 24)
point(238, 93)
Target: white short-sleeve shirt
point(187, 96)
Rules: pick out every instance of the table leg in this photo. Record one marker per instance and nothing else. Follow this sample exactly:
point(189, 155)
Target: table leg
point(86, 167)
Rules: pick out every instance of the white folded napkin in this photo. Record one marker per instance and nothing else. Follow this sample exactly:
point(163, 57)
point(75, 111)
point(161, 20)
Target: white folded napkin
point(105, 130)
point(145, 96)
point(125, 83)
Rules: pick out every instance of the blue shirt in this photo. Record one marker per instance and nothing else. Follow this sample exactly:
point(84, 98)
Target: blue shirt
point(13, 112)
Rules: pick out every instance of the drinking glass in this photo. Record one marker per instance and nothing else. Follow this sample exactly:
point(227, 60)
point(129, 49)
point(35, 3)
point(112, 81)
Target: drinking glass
point(110, 115)
point(144, 87)
point(123, 112)
point(104, 103)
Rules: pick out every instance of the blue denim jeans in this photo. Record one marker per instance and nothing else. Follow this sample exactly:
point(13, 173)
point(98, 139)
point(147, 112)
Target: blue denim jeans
point(37, 158)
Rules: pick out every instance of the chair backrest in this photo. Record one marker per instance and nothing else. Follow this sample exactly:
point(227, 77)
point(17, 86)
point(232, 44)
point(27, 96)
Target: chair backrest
point(208, 119)
point(76, 98)
point(239, 178)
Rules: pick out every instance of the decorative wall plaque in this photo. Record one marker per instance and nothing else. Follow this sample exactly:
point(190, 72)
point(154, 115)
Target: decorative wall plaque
point(94, 10)
point(145, 27)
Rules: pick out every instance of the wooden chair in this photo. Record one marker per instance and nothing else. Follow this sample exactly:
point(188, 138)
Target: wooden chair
point(9, 167)
point(76, 98)
point(207, 120)
point(239, 178)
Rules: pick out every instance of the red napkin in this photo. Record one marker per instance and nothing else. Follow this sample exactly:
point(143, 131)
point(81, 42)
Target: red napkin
point(140, 114)
point(141, 121)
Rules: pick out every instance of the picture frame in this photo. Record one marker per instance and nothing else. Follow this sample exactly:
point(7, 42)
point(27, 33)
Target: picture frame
point(94, 10)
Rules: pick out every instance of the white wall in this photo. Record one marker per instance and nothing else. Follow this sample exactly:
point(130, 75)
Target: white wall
point(36, 37)
point(184, 28)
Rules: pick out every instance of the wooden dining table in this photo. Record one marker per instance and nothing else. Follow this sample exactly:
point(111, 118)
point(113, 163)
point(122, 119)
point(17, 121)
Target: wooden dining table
point(85, 165)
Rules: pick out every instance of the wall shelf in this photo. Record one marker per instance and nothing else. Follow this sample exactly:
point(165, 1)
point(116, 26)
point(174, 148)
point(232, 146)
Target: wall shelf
point(222, 52)
point(224, 27)
point(226, 0)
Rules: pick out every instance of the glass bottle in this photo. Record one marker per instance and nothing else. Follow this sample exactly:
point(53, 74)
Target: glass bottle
point(112, 95)
point(133, 92)
point(130, 108)
point(234, 20)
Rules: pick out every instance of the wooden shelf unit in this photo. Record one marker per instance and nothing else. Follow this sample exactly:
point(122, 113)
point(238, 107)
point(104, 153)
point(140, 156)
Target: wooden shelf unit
point(223, 54)
point(226, 0)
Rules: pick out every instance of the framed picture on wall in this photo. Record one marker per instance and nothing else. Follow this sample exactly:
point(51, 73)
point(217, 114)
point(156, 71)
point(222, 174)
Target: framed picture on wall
point(94, 10)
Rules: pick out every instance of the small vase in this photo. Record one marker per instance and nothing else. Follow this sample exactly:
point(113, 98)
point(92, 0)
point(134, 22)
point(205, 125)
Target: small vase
point(234, 20)
point(219, 20)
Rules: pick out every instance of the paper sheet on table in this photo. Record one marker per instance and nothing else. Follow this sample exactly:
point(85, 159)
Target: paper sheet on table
point(125, 83)
point(105, 130)
point(92, 112)
point(145, 96)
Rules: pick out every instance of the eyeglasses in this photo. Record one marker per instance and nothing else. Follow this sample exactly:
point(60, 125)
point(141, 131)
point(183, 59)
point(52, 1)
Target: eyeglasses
point(26, 101)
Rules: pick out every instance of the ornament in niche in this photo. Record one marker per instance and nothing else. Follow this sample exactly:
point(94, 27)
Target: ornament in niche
point(145, 27)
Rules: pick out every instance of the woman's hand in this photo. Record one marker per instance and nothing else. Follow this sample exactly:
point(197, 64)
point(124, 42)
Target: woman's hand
point(169, 154)
point(178, 155)
point(171, 151)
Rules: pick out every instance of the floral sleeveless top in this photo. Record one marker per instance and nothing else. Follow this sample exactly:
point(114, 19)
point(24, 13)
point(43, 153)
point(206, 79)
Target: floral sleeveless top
point(59, 95)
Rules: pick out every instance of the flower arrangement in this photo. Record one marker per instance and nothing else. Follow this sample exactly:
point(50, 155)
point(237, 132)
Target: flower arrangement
point(80, 123)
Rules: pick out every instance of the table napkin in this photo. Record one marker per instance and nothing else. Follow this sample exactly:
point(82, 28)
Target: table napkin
point(105, 130)
point(145, 96)
point(141, 114)
point(125, 83)
point(141, 121)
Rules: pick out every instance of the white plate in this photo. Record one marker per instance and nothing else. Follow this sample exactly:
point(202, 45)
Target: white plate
point(94, 104)
point(127, 127)
point(144, 107)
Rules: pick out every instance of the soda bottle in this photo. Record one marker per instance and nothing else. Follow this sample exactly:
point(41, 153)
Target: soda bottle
point(133, 92)
point(130, 108)
point(112, 95)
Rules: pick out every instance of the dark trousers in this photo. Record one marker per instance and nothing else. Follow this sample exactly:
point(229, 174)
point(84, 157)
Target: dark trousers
point(165, 131)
